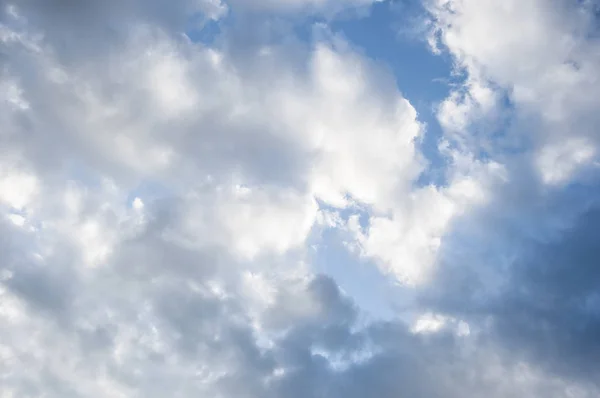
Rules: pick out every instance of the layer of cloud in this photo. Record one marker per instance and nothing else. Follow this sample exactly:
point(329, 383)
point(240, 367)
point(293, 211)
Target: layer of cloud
point(199, 285)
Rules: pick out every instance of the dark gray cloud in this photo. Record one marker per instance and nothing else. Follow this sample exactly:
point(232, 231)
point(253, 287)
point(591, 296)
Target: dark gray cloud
point(535, 295)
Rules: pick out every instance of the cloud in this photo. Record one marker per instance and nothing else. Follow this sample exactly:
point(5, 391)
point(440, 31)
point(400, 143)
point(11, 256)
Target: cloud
point(337, 129)
point(544, 68)
point(328, 8)
point(512, 266)
point(540, 303)
point(157, 197)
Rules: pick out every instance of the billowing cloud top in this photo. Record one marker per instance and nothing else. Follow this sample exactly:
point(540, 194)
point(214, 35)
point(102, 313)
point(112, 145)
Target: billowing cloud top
point(192, 192)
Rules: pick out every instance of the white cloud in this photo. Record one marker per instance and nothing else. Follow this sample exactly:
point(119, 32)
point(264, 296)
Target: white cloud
point(138, 204)
point(17, 219)
point(204, 288)
point(406, 244)
point(342, 130)
point(429, 323)
point(544, 65)
point(17, 187)
point(176, 110)
point(361, 130)
point(527, 104)
point(558, 162)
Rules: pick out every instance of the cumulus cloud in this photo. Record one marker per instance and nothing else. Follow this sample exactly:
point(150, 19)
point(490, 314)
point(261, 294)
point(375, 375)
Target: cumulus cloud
point(526, 102)
point(158, 197)
point(544, 68)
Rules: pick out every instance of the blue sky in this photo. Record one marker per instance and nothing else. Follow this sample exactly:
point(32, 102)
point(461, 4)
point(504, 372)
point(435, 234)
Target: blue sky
point(299, 198)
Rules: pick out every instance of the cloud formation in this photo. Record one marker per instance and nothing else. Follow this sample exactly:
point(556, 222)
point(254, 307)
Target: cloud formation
point(159, 197)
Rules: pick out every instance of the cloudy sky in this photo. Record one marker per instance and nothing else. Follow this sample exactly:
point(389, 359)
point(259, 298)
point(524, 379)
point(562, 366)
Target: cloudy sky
point(300, 198)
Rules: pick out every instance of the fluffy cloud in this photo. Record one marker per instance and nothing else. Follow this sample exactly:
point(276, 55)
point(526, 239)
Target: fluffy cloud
point(545, 67)
point(527, 103)
point(157, 196)
point(336, 130)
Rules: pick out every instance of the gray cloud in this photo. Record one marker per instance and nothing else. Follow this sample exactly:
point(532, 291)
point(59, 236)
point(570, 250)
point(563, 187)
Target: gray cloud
point(546, 310)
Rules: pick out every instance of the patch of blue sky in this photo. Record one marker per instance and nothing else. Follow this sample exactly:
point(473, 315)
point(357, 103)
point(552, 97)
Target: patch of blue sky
point(148, 191)
point(205, 33)
point(78, 172)
point(378, 296)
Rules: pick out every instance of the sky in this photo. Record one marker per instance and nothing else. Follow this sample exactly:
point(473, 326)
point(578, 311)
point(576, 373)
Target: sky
point(299, 198)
